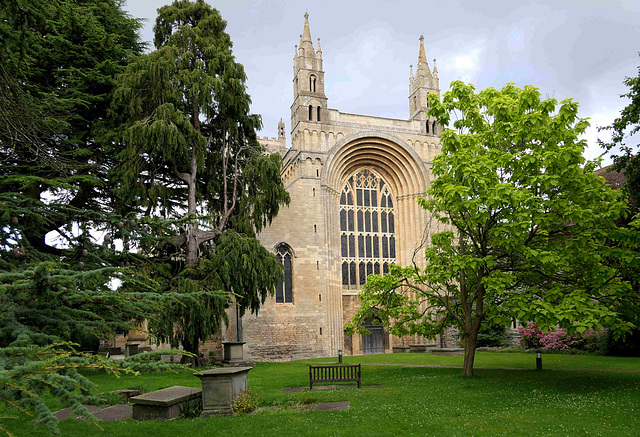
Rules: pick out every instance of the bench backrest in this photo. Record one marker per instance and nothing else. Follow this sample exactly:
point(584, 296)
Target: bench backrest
point(335, 373)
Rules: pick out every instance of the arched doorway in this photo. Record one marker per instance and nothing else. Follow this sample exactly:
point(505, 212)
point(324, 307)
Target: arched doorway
point(373, 343)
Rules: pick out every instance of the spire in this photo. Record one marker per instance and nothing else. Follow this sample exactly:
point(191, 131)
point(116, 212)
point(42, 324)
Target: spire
point(422, 58)
point(306, 34)
point(423, 65)
point(435, 69)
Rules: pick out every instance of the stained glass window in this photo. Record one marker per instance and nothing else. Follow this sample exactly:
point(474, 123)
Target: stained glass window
point(284, 291)
point(365, 226)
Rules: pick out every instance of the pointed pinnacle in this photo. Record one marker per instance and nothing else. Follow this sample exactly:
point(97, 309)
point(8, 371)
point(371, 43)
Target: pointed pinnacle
point(421, 55)
point(306, 34)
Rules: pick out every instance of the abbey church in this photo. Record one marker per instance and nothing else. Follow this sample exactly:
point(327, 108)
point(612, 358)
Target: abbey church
point(354, 181)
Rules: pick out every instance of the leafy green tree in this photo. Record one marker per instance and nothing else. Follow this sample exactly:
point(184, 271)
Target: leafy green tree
point(526, 223)
point(624, 148)
point(624, 130)
point(189, 159)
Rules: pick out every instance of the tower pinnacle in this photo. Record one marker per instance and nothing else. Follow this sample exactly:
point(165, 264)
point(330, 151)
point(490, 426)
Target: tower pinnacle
point(306, 34)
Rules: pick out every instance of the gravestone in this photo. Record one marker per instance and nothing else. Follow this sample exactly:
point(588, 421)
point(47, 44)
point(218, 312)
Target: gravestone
point(220, 387)
point(165, 403)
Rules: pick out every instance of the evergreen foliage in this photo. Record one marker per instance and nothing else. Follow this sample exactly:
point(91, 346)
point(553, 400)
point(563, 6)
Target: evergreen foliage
point(190, 166)
point(58, 59)
point(526, 226)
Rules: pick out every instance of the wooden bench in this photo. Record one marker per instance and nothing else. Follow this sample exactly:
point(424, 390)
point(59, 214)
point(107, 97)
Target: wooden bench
point(348, 373)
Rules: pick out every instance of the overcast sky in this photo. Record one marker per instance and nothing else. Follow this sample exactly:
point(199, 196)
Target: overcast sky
point(581, 49)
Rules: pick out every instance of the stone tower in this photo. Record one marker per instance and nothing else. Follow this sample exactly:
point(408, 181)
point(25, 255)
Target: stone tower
point(424, 82)
point(309, 100)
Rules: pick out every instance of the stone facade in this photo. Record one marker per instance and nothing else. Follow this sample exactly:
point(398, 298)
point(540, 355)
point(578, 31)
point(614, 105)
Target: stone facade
point(334, 155)
point(331, 153)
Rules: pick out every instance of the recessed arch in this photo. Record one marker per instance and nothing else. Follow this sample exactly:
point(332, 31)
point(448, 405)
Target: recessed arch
point(385, 154)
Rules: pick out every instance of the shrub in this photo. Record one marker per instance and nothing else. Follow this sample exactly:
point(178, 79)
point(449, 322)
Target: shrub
point(492, 336)
point(245, 402)
point(191, 409)
point(561, 340)
point(531, 336)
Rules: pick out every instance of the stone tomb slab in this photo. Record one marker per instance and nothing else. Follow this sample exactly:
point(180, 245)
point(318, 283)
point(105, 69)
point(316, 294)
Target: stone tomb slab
point(165, 403)
point(220, 387)
point(65, 413)
point(332, 406)
point(448, 351)
point(115, 412)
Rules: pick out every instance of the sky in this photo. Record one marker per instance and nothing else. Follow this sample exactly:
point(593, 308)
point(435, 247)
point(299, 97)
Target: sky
point(580, 49)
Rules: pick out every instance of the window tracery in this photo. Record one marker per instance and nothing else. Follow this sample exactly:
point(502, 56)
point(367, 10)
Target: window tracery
point(367, 228)
point(284, 291)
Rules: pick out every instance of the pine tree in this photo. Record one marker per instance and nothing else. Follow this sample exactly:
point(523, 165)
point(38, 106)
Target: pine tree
point(58, 61)
point(190, 162)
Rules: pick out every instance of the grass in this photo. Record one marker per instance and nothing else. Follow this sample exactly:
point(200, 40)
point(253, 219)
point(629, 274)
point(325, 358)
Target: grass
point(415, 401)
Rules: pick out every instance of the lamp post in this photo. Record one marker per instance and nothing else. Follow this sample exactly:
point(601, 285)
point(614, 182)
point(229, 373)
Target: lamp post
point(339, 356)
point(538, 360)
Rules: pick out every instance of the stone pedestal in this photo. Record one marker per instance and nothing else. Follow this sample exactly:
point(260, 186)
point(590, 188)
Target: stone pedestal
point(233, 352)
point(220, 387)
point(400, 349)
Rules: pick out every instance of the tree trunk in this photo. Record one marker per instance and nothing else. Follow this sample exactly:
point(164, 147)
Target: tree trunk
point(469, 352)
point(194, 348)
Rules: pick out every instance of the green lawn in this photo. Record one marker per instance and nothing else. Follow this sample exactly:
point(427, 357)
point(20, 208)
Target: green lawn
point(415, 401)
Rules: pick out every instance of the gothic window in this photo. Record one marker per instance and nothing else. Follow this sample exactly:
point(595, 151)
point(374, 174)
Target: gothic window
point(310, 113)
point(427, 126)
point(284, 292)
point(312, 83)
point(433, 130)
point(318, 117)
point(367, 222)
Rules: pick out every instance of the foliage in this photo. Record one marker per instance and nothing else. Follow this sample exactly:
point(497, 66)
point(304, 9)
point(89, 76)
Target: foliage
point(523, 225)
point(624, 149)
point(245, 402)
point(492, 336)
point(560, 340)
point(624, 130)
point(628, 346)
point(58, 61)
point(27, 371)
point(191, 409)
point(531, 336)
point(190, 166)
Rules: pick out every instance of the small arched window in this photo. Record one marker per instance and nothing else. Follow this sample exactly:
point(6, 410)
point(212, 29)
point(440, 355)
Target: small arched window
point(312, 84)
point(415, 103)
point(427, 126)
point(433, 126)
point(284, 291)
point(310, 113)
point(318, 117)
